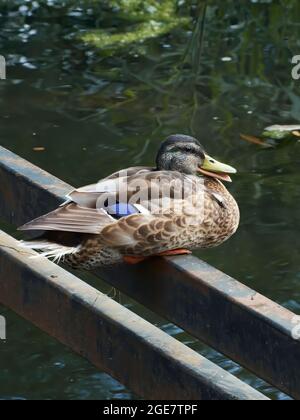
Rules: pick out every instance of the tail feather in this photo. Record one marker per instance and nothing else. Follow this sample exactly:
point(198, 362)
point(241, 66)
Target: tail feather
point(50, 250)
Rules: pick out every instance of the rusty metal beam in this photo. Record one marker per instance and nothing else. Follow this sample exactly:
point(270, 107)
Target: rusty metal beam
point(26, 190)
point(235, 320)
point(147, 360)
point(238, 322)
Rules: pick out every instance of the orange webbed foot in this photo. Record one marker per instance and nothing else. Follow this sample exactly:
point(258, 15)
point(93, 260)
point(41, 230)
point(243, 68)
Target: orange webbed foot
point(172, 252)
point(132, 260)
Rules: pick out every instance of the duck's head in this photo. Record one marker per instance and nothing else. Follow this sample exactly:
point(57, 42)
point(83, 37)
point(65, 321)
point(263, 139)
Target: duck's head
point(185, 154)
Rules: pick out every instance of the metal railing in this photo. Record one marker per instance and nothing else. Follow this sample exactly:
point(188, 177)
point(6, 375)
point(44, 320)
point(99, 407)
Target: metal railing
point(235, 320)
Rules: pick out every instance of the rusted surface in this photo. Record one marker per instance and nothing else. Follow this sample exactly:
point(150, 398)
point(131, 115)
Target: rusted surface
point(110, 336)
point(235, 320)
point(238, 322)
point(26, 187)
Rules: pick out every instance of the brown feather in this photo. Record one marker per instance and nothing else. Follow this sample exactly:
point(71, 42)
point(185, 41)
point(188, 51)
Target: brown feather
point(71, 218)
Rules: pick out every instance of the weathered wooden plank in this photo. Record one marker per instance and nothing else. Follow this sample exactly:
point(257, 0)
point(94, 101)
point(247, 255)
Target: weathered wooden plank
point(237, 321)
point(147, 360)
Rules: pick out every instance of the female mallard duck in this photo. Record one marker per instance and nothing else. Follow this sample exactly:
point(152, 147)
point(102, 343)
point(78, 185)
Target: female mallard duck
point(178, 206)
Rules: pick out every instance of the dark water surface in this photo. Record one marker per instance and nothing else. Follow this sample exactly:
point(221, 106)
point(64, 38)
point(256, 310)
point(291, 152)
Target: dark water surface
point(96, 110)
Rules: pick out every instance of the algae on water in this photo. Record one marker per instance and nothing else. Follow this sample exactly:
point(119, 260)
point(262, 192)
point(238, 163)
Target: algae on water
point(141, 32)
point(145, 20)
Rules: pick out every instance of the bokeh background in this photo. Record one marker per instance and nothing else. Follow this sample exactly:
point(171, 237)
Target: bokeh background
point(96, 86)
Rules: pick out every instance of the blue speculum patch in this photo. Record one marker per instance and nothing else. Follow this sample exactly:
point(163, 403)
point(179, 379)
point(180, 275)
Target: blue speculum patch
point(120, 210)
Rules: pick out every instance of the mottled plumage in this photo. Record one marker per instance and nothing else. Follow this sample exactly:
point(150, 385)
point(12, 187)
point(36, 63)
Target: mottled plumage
point(142, 211)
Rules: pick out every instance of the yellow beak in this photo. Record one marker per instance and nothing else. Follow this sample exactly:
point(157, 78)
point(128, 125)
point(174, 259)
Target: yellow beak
point(211, 167)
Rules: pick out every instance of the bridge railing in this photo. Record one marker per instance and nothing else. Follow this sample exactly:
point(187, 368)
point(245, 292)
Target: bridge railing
point(235, 320)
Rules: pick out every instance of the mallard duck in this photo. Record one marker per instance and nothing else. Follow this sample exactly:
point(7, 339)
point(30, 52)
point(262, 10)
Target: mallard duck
point(171, 209)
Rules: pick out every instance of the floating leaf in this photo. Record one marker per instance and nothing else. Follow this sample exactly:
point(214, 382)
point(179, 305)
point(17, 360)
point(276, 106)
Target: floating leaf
point(279, 132)
point(255, 140)
point(39, 149)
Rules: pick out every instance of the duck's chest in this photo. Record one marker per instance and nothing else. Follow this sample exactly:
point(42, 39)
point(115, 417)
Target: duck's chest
point(219, 218)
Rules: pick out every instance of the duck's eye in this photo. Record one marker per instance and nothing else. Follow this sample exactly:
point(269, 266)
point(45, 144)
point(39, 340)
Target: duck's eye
point(177, 150)
point(186, 149)
point(181, 149)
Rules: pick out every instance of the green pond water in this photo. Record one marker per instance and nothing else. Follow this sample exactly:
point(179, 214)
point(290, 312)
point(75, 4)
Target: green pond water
point(99, 84)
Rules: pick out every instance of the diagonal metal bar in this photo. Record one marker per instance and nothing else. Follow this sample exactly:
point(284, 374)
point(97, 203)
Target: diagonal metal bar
point(147, 360)
point(235, 320)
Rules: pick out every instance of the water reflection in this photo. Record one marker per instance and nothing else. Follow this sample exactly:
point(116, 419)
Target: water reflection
point(95, 110)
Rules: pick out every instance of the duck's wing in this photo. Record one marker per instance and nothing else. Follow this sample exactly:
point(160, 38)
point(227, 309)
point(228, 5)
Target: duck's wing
point(110, 186)
point(84, 212)
point(71, 218)
point(173, 208)
point(144, 194)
